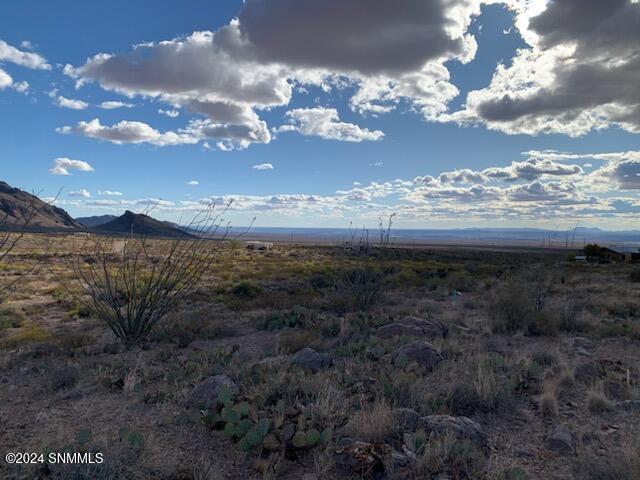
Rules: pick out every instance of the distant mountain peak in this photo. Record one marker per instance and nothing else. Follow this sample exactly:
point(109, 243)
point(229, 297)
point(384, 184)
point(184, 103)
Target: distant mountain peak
point(143, 225)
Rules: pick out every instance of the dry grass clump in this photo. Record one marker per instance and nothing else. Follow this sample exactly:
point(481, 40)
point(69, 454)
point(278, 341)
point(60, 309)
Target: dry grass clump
point(549, 400)
point(450, 457)
point(597, 402)
point(623, 465)
point(373, 423)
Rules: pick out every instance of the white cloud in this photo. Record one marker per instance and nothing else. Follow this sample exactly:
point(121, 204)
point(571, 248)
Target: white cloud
point(580, 72)
point(109, 193)
point(129, 132)
point(62, 165)
point(193, 183)
point(325, 123)
point(263, 166)
point(169, 113)
point(71, 103)
point(24, 59)
point(389, 55)
point(82, 193)
point(111, 105)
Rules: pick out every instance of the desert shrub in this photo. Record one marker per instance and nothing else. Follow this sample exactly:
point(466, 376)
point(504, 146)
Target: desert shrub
point(592, 250)
point(185, 327)
point(246, 290)
point(133, 283)
point(374, 423)
point(26, 334)
point(509, 309)
point(357, 288)
point(623, 465)
point(597, 402)
point(634, 275)
point(10, 318)
point(294, 318)
point(451, 457)
point(543, 323)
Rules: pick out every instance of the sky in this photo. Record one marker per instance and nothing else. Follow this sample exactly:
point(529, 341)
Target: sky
point(322, 113)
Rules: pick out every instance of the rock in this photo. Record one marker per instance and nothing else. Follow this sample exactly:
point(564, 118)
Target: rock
point(406, 419)
point(461, 427)
point(583, 351)
point(629, 405)
point(430, 328)
point(422, 353)
point(412, 327)
point(207, 393)
point(310, 360)
point(363, 459)
point(560, 441)
point(64, 377)
point(398, 330)
point(586, 373)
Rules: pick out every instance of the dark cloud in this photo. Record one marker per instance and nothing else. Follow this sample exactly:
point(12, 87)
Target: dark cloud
point(384, 36)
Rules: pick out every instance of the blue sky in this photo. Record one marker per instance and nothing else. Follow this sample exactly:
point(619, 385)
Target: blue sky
point(455, 117)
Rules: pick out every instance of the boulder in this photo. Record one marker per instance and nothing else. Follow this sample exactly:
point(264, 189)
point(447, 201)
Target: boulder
point(207, 394)
point(406, 419)
point(310, 360)
point(586, 373)
point(560, 441)
point(363, 459)
point(460, 427)
point(422, 353)
point(412, 327)
point(629, 405)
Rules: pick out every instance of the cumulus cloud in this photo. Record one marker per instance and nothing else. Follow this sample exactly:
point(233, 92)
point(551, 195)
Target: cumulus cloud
point(24, 59)
point(169, 113)
point(129, 132)
point(111, 105)
point(357, 35)
point(109, 193)
point(71, 103)
point(13, 55)
point(193, 183)
point(263, 166)
point(387, 54)
point(63, 165)
point(82, 193)
point(325, 123)
point(445, 195)
point(579, 73)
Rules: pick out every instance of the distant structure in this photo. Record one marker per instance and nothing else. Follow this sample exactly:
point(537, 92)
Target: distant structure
point(260, 246)
point(622, 254)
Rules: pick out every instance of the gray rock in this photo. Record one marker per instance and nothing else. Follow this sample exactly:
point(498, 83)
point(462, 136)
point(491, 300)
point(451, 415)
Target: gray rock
point(62, 378)
point(586, 373)
point(206, 394)
point(422, 353)
point(361, 458)
point(398, 330)
point(460, 427)
point(412, 327)
point(406, 419)
point(629, 405)
point(560, 441)
point(310, 360)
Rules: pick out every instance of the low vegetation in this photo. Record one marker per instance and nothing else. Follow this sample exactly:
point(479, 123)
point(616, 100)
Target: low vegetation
point(181, 359)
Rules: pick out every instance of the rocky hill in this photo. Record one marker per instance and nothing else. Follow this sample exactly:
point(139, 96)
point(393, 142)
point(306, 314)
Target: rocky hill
point(143, 225)
point(18, 207)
